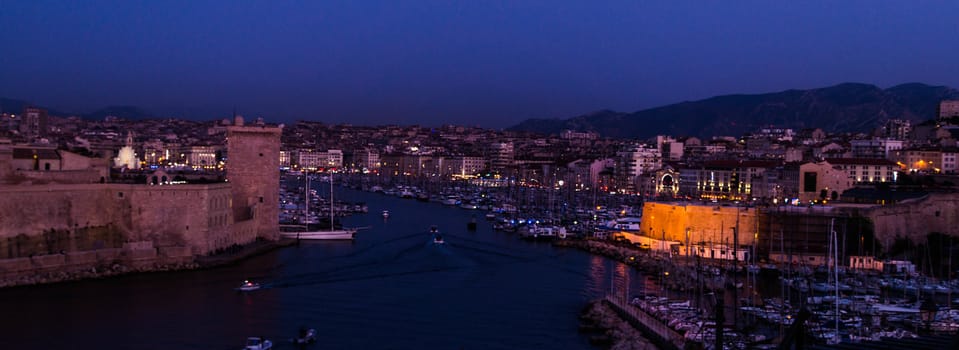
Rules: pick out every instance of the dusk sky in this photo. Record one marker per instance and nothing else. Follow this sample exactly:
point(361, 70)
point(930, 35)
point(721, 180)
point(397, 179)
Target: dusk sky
point(484, 63)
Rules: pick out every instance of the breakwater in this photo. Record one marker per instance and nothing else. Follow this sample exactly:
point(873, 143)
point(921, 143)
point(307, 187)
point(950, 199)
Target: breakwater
point(659, 332)
point(606, 327)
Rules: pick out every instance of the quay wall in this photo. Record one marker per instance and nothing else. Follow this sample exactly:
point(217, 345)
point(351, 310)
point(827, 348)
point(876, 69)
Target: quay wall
point(703, 223)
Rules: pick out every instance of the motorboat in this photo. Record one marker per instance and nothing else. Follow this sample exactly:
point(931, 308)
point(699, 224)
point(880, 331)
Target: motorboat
point(437, 237)
point(305, 336)
point(248, 286)
point(257, 343)
point(386, 214)
point(544, 233)
point(631, 224)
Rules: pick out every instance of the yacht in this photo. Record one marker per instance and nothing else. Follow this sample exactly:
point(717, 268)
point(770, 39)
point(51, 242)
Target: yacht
point(307, 231)
point(624, 224)
point(544, 233)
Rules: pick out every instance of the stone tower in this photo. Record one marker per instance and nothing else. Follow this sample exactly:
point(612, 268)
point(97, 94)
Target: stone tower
point(253, 170)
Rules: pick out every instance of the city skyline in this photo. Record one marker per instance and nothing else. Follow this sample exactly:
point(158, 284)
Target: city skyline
point(489, 65)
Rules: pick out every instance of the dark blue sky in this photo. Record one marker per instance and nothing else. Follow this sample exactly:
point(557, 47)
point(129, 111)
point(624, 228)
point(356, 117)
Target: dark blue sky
point(485, 63)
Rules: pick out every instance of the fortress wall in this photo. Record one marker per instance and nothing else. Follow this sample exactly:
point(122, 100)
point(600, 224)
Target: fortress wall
point(46, 219)
point(705, 223)
point(195, 216)
point(31, 210)
point(14, 267)
point(914, 219)
point(61, 176)
point(88, 258)
point(52, 231)
point(245, 231)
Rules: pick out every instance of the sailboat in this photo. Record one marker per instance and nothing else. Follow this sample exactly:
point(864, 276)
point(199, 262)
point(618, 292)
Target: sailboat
point(303, 230)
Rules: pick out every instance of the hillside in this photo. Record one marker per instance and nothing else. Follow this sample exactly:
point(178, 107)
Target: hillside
point(847, 107)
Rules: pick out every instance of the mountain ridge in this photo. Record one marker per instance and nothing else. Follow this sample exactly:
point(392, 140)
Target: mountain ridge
point(16, 106)
point(844, 107)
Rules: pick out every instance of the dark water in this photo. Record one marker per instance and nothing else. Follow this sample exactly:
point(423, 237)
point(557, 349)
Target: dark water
point(389, 289)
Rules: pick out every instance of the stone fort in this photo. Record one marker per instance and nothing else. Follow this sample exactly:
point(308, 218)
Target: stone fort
point(802, 230)
point(57, 212)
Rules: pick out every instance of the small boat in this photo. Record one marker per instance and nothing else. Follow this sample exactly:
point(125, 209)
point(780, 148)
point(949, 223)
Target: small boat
point(386, 214)
point(257, 343)
point(305, 336)
point(437, 237)
point(248, 286)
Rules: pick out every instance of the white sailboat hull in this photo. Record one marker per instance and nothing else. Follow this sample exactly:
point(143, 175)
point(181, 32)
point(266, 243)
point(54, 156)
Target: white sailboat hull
point(320, 235)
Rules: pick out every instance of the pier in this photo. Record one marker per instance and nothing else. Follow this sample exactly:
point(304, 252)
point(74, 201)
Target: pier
point(654, 329)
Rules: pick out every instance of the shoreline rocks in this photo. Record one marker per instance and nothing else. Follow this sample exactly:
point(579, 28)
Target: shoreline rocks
point(95, 272)
point(116, 268)
point(609, 331)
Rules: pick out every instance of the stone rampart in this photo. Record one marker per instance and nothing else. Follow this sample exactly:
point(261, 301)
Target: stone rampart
point(81, 259)
point(108, 255)
point(61, 176)
point(915, 218)
point(46, 219)
point(703, 223)
point(14, 267)
point(46, 263)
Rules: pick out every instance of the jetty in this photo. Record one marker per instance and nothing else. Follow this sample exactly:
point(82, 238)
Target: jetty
point(658, 332)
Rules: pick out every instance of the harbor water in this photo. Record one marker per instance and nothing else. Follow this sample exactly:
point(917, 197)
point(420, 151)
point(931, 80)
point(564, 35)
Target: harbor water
point(390, 288)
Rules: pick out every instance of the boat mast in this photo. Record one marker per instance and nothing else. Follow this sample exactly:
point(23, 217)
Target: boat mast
point(331, 199)
point(306, 196)
point(835, 251)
